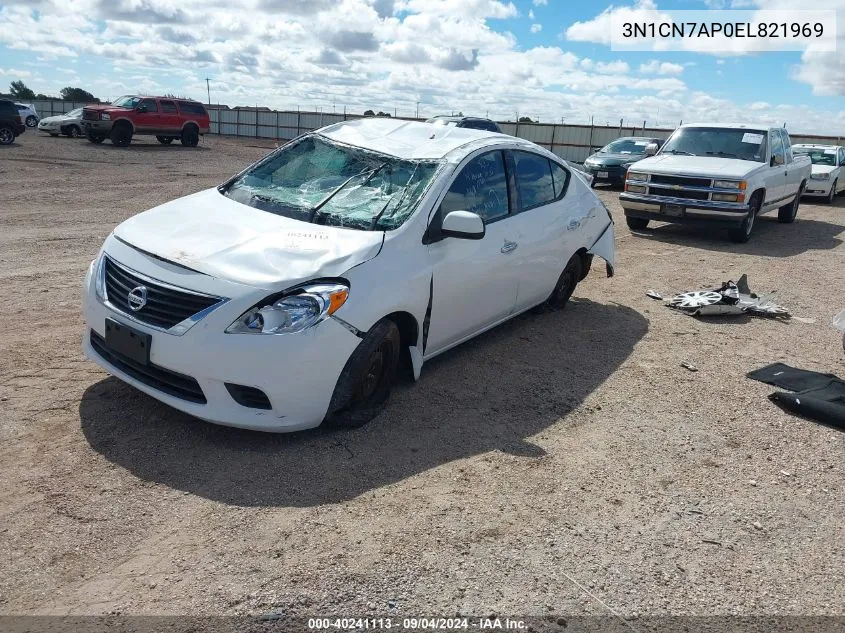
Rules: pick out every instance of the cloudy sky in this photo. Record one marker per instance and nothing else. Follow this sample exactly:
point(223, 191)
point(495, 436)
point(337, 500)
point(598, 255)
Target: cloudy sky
point(541, 58)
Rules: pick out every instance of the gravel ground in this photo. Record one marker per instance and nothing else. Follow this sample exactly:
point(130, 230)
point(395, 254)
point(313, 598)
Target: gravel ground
point(560, 464)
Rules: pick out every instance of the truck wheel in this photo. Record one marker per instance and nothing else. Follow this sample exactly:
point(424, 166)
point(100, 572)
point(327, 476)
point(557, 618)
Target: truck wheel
point(742, 234)
point(190, 137)
point(96, 139)
point(367, 379)
point(786, 214)
point(164, 140)
point(121, 135)
point(636, 224)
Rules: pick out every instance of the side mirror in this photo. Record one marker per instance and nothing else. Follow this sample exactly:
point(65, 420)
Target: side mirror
point(142, 108)
point(651, 149)
point(463, 225)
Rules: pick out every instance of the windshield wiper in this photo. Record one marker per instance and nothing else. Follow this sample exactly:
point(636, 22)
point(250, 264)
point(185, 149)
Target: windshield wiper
point(370, 175)
point(678, 151)
point(726, 154)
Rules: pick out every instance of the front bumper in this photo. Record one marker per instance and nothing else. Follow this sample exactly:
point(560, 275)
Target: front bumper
point(96, 127)
point(50, 128)
point(297, 372)
point(612, 174)
point(655, 208)
point(818, 188)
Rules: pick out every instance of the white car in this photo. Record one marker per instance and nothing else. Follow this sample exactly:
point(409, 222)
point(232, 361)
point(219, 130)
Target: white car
point(827, 179)
point(28, 114)
point(69, 124)
point(287, 295)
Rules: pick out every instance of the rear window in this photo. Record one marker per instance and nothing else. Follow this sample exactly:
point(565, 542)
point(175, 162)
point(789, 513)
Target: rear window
point(7, 108)
point(191, 107)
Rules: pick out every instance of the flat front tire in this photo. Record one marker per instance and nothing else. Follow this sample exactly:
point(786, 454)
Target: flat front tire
point(569, 278)
point(367, 378)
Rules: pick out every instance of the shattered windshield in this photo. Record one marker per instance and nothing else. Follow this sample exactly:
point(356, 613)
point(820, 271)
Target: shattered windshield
point(721, 142)
point(818, 155)
point(126, 102)
point(317, 181)
point(626, 146)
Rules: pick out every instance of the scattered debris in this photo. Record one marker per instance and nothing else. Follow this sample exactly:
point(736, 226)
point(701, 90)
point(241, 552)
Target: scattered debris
point(730, 298)
point(753, 482)
point(711, 541)
point(757, 525)
point(654, 295)
point(819, 397)
point(786, 473)
point(275, 614)
point(689, 365)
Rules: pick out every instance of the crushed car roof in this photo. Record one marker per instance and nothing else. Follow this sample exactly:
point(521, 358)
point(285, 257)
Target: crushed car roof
point(412, 140)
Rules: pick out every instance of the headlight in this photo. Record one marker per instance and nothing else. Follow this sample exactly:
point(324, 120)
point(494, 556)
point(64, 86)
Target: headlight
point(729, 184)
point(820, 176)
point(100, 277)
point(104, 116)
point(294, 311)
point(636, 175)
point(590, 163)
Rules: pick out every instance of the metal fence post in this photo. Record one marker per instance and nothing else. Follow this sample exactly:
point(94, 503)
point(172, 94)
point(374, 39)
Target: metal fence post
point(298, 121)
point(590, 142)
point(238, 122)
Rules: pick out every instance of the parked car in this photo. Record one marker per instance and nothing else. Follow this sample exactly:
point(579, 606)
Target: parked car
point(288, 294)
point(11, 123)
point(723, 175)
point(69, 124)
point(474, 123)
point(610, 164)
point(827, 178)
point(28, 114)
point(165, 118)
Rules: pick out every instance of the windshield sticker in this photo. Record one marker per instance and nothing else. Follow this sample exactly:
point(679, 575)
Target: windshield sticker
point(753, 139)
point(641, 143)
point(830, 152)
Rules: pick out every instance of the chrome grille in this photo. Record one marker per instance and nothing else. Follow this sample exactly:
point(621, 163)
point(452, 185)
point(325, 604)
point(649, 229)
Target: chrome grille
point(165, 305)
point(678, 193)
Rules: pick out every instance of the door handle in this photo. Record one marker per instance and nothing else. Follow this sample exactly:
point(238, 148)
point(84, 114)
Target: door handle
point(509, 246)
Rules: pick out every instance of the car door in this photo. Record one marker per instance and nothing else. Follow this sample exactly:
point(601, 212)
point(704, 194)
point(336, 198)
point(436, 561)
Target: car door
point(840, 162)
point(793, 171)
point(146, 116)
point(547, 225)
point(168, 115)
point(473, 281)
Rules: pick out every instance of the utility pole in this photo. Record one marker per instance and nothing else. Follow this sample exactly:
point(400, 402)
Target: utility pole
point(418, 110)
point(208, 87)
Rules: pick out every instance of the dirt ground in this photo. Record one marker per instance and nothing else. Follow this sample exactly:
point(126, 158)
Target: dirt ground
point(563, 463)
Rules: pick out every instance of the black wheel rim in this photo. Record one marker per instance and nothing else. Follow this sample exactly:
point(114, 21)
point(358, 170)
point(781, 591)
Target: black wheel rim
point(6, 136)
point(374, 374)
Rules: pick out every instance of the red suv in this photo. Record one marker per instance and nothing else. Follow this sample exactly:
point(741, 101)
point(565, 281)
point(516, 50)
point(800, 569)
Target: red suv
point(166, 118)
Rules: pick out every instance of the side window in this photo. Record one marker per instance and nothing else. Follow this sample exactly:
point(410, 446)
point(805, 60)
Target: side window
point(787, 146)
point(777, 148)
point(480, 187)
point(150, 103)
point(533, 179)
point(560, 180)
point(841, 156)
point(190, 107)
point(168, 107)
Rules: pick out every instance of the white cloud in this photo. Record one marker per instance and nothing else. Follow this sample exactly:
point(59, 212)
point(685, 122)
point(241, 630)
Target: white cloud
point(598, 29)
point(536, 28)
point(531, 14)
point(655, 67)
point(13, 72)
point(540, 3)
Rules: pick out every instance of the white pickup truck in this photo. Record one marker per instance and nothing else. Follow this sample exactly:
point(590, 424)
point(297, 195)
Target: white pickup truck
point(717, 174)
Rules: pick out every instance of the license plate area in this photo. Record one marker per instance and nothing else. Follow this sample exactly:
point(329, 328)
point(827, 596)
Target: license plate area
point(673, 210)
point(602, 174)
point(128, 342)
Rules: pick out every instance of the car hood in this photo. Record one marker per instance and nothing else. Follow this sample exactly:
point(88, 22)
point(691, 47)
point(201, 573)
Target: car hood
point(615, 159)
point(823, 169)
point(56, 118)
point(215, 235)
point(705, 166)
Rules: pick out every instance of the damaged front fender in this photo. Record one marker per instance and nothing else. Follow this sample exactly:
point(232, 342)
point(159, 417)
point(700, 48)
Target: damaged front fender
point(605, 247)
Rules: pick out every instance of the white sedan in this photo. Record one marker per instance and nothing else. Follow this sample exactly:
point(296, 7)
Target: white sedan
point(288, 295)
point(827, 179)
point(69, 124)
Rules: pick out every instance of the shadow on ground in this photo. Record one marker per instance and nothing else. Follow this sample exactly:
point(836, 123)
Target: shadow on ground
point(488, 394)
point(770, 238)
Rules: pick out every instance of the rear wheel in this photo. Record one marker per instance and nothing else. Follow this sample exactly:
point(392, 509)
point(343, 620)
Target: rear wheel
point(164, 140)
point(121, 135)
point(636, 224)
point(31, 120)
point(7, 135)
point(367, 379)
point(786, 214)
point(190, 136)
point(569, 278)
